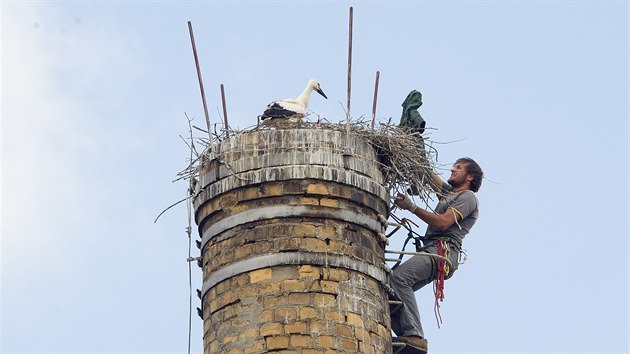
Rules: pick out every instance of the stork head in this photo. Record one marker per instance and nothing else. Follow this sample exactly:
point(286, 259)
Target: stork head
point(315, 86)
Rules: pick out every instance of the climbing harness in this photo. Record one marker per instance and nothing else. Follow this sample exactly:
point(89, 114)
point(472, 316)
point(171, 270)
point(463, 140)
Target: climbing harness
point(417, 240)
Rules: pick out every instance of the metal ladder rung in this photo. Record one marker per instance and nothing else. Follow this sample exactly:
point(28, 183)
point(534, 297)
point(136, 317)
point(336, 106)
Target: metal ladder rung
point(394, 305)
point(398, 346)
point(426, 254)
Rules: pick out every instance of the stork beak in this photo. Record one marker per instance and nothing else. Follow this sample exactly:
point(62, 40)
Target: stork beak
point(321, 93)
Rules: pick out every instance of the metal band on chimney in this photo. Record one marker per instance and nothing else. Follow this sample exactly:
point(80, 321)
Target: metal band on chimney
point(292, 258)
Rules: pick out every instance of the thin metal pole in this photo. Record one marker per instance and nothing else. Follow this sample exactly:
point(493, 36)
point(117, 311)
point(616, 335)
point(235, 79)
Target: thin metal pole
point(378, 74)
point(349, 73)
point(225, 118)
point(203, 94)
point(427, 254)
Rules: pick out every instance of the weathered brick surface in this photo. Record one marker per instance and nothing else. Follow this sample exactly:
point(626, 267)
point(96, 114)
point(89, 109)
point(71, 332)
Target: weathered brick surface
point(305, 308)
point(301, 340)
point(297, 192)
point(277, 342)
point(270, 329)
point(268, 314)
point(259, 275)
point(296, 327)
point(273, 148)
point(328, 237)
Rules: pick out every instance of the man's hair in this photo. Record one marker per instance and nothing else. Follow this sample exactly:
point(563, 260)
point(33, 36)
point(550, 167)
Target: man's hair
point(472, 168)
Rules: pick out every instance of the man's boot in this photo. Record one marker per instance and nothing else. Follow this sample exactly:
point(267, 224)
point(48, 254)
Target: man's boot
point(414, 341)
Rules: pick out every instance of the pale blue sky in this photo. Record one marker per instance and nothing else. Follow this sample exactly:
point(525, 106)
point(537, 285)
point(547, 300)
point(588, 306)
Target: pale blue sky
point(93, 103)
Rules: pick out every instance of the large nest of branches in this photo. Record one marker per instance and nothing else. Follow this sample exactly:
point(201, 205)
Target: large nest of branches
point(405, 158)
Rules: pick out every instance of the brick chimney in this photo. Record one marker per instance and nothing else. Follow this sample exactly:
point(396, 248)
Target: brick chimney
point(291, 253)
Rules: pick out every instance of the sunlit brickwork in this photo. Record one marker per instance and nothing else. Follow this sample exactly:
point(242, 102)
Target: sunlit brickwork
point(291, 253)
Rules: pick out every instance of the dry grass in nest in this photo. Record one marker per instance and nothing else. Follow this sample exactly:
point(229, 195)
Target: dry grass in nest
point(405, 159)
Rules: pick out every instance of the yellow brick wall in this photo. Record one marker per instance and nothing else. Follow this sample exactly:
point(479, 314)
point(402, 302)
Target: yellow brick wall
point(292, 234)
point(290, 308)
point(296, 308)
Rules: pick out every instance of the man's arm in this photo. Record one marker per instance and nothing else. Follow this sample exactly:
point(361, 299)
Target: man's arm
point(439, 221)
point(437, 182)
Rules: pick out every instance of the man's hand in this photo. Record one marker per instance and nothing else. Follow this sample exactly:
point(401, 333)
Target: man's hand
point(403, 202)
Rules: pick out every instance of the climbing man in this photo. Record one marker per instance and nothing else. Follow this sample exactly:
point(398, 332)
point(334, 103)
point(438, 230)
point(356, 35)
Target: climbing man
point(453, 218)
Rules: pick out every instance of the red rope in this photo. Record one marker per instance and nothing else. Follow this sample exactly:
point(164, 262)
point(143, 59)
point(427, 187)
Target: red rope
point(438, 283)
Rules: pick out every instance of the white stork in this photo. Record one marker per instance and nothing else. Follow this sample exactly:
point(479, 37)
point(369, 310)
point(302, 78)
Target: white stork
point(292, 108)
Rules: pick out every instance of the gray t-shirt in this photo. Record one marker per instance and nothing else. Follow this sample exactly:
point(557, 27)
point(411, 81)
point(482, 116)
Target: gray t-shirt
point(464, 203)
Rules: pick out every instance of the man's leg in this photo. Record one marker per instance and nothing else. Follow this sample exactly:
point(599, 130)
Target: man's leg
point(410, 276)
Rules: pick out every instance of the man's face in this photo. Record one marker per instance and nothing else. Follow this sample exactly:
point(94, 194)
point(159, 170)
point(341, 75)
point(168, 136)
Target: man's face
point(458, 175)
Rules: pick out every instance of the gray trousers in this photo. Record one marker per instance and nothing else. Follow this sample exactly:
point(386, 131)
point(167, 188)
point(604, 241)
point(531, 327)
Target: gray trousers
point(410, 276)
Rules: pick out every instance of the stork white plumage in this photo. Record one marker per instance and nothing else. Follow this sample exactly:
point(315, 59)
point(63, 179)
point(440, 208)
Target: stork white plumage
point(291, 109)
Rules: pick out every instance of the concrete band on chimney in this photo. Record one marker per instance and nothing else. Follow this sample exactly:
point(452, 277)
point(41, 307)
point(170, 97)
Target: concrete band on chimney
point(292, 259)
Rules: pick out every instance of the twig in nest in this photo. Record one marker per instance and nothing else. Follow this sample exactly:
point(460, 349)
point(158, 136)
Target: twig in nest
point(227, 165)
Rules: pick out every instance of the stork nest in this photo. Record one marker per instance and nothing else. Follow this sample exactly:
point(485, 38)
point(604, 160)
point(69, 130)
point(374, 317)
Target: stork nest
point(405, 158)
